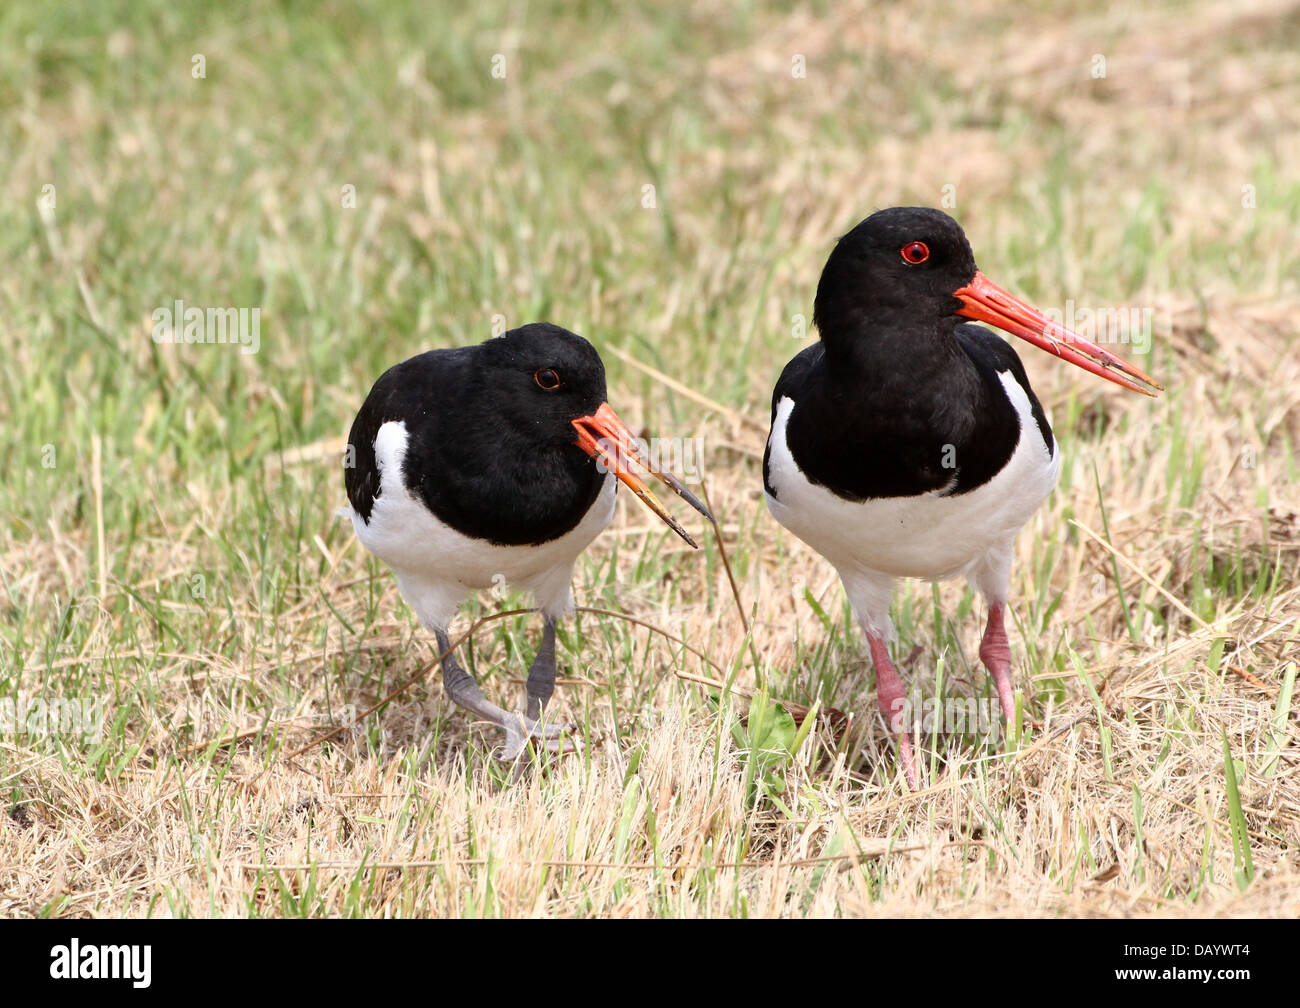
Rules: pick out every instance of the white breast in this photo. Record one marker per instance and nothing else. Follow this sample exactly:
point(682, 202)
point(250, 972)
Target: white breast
point(929, 536)
point(437, 567)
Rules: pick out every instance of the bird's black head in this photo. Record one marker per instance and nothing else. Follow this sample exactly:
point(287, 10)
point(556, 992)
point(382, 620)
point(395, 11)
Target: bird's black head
point(545, 388)
point(898, 267)
point(895, 286)
point(539, 378)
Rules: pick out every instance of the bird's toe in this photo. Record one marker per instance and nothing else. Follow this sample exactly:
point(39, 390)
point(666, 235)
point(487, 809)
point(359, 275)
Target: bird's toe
point(554, 738)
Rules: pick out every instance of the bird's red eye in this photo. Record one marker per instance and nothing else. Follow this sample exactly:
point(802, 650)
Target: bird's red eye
point(547, 379)
point(915, 253)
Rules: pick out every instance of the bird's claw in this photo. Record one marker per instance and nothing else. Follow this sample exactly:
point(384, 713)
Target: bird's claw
point(520, 730)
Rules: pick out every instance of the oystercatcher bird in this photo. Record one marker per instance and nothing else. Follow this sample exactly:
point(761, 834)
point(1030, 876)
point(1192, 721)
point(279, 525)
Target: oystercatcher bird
point(907, 443)
point(474, 466)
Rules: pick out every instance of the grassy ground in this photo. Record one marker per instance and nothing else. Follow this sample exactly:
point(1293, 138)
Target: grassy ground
point(169, 547)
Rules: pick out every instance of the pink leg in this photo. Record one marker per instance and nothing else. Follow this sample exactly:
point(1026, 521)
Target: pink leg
point(996, 655)
point(893, 705)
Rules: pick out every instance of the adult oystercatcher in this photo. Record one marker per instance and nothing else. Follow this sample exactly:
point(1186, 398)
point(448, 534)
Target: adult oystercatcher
point(490, 464)
point(908, 444)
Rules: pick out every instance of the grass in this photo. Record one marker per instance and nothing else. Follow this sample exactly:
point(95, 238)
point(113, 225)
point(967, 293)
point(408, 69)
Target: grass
point(169, 545)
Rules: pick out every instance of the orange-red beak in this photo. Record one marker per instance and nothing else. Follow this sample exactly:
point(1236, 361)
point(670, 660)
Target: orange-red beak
point(985, 301)
point(606, 438)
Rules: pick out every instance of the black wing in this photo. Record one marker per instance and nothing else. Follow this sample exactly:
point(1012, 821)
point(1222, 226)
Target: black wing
point(791, 381)
point(403, 393)
point(991, 354)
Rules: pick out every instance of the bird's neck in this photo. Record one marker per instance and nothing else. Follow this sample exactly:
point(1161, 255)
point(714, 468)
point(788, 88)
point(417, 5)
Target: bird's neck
point(884, 356)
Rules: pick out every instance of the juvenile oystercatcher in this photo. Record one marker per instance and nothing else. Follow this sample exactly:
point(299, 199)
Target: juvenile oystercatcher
point(908, 444)
point(490, 464)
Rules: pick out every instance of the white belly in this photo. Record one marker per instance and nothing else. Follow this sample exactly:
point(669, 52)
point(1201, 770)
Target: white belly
point(437, 566)
point(929, 536)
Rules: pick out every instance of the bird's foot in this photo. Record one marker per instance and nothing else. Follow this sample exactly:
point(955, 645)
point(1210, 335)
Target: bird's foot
point(907, 757)
point(995, 652)
point(893, 705)
point(521, 730)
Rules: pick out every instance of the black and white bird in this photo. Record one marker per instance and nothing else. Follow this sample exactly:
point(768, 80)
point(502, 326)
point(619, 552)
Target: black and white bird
point(493, 464)
point(909, 444)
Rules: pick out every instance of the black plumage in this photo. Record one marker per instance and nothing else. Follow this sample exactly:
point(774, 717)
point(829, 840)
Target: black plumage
point(479, 413)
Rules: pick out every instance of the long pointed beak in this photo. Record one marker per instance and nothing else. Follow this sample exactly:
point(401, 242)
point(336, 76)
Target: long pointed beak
point(606, 438)
point(985, 301)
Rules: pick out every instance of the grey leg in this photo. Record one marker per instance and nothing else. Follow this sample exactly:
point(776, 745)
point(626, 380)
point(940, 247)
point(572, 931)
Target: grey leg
point(465, 692)
point(541, 674)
